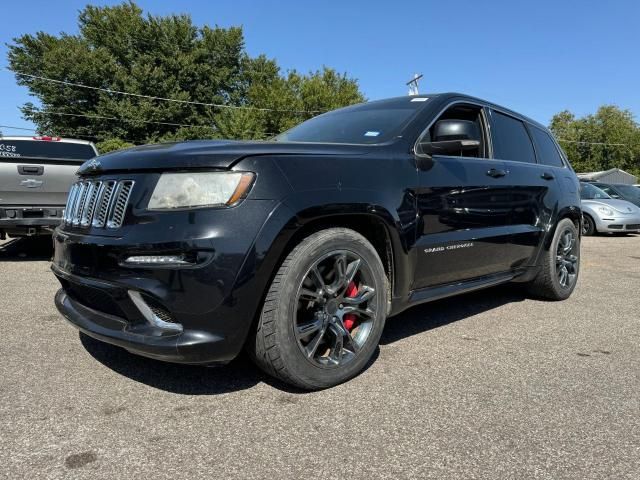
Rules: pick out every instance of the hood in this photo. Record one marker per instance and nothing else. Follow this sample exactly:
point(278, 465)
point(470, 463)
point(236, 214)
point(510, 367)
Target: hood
point(205, 154)
point(620, 206)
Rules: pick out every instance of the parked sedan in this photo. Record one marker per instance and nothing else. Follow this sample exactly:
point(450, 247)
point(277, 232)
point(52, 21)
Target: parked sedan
point(630, 193)
point(601, 213)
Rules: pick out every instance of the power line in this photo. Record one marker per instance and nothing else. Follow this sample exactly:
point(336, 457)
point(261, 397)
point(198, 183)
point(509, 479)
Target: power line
point(82, 115)
point(88, 135)
point(151, 97)
point(19, 128)
point(592, 143)
point(66, 135)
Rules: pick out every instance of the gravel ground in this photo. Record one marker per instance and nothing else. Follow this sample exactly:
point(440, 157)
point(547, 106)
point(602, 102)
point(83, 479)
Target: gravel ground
point(488, 385)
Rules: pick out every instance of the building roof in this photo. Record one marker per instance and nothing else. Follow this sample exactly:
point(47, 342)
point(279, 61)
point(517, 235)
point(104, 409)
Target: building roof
point(603, 174)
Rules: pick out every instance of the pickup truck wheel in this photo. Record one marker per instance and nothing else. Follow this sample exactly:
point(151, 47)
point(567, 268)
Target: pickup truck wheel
point(559, 265)
point(324, 312)
point(588, 226)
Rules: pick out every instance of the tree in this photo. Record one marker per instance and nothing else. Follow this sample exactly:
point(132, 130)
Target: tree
point(610, 138)
point(118, 49)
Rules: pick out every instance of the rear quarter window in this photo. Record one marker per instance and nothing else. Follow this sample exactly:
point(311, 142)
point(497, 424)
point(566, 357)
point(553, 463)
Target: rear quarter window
point(45, 149)
point(510, 139)
point(547, 151)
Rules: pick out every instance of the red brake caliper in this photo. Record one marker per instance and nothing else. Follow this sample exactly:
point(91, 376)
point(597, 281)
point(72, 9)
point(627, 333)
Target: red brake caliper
point(350, 319)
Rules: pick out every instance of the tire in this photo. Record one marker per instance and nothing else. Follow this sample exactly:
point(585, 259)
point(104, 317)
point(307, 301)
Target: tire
point(312, 333)
point(560, 265)
point(588, 226)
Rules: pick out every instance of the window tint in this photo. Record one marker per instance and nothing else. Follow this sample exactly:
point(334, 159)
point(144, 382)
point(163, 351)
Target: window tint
point(46, 149)
point(510, 139)
point(367, 123)
point(547, 152)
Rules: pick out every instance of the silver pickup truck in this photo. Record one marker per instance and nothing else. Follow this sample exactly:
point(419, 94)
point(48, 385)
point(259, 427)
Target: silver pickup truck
point(35, 176)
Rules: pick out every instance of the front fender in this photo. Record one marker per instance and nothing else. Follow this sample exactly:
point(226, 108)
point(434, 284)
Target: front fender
point(294, 213)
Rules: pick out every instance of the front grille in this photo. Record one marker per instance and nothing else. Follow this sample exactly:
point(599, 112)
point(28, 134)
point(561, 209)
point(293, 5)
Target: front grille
point(93, 298)
point(98, 203)
point(633, 226)
point(158, 310)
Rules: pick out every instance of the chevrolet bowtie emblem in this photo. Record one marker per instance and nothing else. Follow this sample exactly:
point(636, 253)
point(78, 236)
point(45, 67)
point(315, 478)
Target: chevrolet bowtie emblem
point(31, 183)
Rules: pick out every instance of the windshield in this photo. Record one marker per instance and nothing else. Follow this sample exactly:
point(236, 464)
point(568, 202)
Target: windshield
point(629, 191)
point(367, 123)
point(591, 192)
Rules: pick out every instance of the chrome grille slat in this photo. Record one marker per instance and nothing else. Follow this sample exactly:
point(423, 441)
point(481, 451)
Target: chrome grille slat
point(100, 218)
point(120, 203)
point(77, 211)
point(100, 204)
point(92, 196)
point(70, 199)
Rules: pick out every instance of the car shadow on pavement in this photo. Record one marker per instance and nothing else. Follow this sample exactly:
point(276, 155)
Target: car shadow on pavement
point(436, 314)
point(26, 249)
point(242, 374)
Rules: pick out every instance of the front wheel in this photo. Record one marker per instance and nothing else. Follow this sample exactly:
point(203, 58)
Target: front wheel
point(559, 266)
point(588, 226)
point(324, 312)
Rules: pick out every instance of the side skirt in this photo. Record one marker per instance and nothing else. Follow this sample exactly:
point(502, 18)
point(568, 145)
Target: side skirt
point(430, 294)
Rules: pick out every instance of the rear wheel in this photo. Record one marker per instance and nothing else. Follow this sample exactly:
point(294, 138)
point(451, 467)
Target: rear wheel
point(560, 265)
point(588, 226)
point(324, 313)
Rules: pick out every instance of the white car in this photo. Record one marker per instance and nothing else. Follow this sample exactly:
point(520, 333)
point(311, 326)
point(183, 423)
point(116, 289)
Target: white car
point(601, 213)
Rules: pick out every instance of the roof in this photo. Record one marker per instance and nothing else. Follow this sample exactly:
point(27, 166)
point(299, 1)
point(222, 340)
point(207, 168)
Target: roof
point(35, 138)
point(397, 101)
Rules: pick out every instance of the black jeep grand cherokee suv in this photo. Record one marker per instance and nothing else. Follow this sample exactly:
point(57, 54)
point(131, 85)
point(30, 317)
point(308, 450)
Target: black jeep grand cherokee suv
point(299, 248)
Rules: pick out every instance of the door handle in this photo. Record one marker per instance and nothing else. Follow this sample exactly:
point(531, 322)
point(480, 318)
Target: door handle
point(547, 176)
point(30, 169)
point(497, 172)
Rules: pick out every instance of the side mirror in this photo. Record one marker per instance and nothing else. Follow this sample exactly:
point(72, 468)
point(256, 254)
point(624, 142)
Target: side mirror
point(452, 137)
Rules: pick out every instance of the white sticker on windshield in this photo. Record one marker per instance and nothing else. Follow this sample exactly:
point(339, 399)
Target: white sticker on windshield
point(371, 134)
point(420, 99)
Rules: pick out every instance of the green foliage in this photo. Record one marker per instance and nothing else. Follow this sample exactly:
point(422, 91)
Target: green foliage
point(610, 138)
point(120, 48)
point(112, 144)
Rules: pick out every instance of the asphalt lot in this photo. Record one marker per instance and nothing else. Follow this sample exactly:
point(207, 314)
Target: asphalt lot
point(489, 385)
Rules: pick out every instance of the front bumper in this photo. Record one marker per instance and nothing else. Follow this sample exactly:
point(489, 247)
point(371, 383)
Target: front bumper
point(214, 300)
point(618, 223)
point(190, 346)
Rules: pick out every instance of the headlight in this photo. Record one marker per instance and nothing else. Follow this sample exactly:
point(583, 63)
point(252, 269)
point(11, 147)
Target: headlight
point(200, 189)
point(605, 211)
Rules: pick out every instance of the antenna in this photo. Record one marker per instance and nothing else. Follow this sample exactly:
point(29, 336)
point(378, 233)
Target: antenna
point(413, 84)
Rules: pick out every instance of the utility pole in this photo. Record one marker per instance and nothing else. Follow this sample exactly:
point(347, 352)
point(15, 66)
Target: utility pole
point(413, 84)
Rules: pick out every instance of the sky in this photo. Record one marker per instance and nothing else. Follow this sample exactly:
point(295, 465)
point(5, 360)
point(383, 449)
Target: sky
point(537, 58)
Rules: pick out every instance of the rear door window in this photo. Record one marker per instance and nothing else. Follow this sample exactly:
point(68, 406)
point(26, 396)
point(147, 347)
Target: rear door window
point(510, 139)
point(547, 151)
point(50, 150)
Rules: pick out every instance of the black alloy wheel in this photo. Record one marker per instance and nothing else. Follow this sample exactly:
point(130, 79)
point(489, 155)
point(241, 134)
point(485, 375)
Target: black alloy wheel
point(336, 309)
point(567, 259)
point(324, 312)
